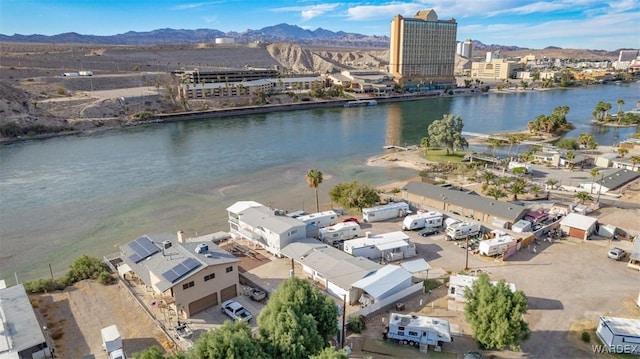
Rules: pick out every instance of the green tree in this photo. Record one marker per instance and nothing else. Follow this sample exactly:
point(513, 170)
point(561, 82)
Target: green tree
point(495, 314)
point(584, 139)
point(516, 189)
point(620, 103)
point(314, 179)
point(570, 157)
point(568, 143)
point(297, 320)
point(330, 353)
point(487, 176)
point(594, 172)
point(622, 152)
point(232, 340)
point(354, 195)
point(634, 161)
point(424, 143)
point(150, 353)
point(552, 183)
point(448, 133)
point(496, 193)
point(583, 197)
point(536, 189)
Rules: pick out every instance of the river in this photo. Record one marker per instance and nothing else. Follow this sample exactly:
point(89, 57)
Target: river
point(88, 194)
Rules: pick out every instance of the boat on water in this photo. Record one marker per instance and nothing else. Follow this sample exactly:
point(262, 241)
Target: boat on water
point(360, 103)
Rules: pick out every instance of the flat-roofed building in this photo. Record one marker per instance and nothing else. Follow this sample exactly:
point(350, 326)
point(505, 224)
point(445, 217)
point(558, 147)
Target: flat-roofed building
point(496, 69)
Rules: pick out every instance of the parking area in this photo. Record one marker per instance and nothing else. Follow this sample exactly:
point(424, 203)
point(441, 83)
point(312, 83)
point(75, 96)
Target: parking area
point(569, 283)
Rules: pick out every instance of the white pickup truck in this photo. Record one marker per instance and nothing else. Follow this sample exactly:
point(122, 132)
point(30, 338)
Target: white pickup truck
point(236, 311)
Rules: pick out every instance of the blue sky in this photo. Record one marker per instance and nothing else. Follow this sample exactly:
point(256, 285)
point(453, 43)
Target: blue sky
point(584, 24)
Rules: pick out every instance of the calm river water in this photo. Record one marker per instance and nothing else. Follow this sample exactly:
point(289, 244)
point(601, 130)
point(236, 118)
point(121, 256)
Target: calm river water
point(67, 196)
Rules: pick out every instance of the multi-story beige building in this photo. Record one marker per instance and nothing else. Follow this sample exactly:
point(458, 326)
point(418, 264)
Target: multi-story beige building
point(423, 51)
point(189, 276)
point(496, 69)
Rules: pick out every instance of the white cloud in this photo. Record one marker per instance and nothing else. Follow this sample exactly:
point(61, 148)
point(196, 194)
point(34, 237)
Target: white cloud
point(195, 5)
point(310, 11)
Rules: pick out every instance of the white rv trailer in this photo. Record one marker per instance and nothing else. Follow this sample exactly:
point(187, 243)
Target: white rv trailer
point(339, 232)
point(111, 340)
point(320, 219)
point(496, 245)
point(422, 220)
point(462, 230)
point(417, 330)
point(386, 211)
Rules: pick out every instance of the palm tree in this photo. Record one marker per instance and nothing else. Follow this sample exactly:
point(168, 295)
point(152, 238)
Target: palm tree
point(488, 176)
point(634, 161)
point(516, 189)
point(536, 189)
point(314, 179)
point(570, 156)
point(594, 172)
point(620, 103)
point(424, 143)
point(583, 196)
point(552, 182)
point(622, 152)
point(496, 193)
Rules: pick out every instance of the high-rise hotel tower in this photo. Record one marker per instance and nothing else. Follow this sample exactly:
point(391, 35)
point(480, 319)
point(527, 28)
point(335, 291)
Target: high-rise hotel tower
point(423, 51)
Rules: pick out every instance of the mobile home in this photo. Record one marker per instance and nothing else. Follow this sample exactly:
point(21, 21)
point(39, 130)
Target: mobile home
point(417, 330)
point(422, 220)
point(339, 232)
point(391, 246)
point(462, 230)
point(496, 245)
point(386, 211)
point(320, 219)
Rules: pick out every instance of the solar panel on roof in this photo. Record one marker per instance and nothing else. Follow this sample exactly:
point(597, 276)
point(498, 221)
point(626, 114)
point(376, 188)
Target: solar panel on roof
point(181, 269)
point(142, 248)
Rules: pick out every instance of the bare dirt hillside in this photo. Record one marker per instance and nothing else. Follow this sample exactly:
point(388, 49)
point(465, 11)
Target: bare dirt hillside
point(328, 60)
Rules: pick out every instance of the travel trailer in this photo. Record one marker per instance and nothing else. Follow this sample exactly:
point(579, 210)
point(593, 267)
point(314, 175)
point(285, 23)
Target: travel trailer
point(462, 230)
point(111, 340)
point(339, 232)
point(496, 245)
point(386, 211)
point(417, 330)
point(422, 220)
point(320, 219)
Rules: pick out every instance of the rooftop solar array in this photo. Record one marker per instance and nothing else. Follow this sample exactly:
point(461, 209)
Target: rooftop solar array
point(142, 248)
point(181, 269)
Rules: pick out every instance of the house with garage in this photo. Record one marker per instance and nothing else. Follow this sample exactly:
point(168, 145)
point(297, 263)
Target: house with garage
point(189, 275)
point(392, 246)
point(620, 335)
point(467, 204)
point(578, 226)
point(21, 336)
point(269, 228)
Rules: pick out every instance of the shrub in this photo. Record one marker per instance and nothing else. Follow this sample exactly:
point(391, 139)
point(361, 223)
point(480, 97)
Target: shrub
point(61, 91)
point(586, 337)
point(105, 278)
point(85, 267)
point(355, 323)
point(43, 285)
point(142, 116)
point(430, 284)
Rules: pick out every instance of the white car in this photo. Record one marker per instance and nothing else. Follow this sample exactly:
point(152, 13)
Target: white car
point(236, 311)
point(617, 253)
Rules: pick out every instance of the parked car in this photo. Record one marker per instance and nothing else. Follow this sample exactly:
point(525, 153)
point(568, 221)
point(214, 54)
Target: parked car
point(617, 253)
point(427, 231)
point(236, 311)
point(351, 219)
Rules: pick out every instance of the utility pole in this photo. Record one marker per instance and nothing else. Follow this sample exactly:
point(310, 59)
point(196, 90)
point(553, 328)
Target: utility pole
point(466, 261)
point(600, 188)
point(344, 314)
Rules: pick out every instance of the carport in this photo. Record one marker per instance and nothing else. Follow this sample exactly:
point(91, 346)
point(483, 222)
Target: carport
point(385, 282)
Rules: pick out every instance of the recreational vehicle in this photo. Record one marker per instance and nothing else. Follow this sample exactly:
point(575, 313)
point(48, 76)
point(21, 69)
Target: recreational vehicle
point(422, 220)
point(320, 219)
point(417, 330)
point(339, 232)
point(386, 211)
point(462, 230)
point(496, 245)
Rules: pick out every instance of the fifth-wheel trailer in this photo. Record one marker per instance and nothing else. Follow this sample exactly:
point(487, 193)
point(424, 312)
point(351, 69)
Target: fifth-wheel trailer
point(385, 211)
point(422, 220)
point(417, 330)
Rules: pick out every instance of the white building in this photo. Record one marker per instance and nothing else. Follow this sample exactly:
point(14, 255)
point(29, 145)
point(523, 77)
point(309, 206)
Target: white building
point(390, 246)
point(465, 48)
point(458, 284)
point(578, 226)
point(620, 335)
point(264, 226)
point(386, 281)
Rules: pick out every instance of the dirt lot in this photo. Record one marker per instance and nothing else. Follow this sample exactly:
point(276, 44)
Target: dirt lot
point(75, 316)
